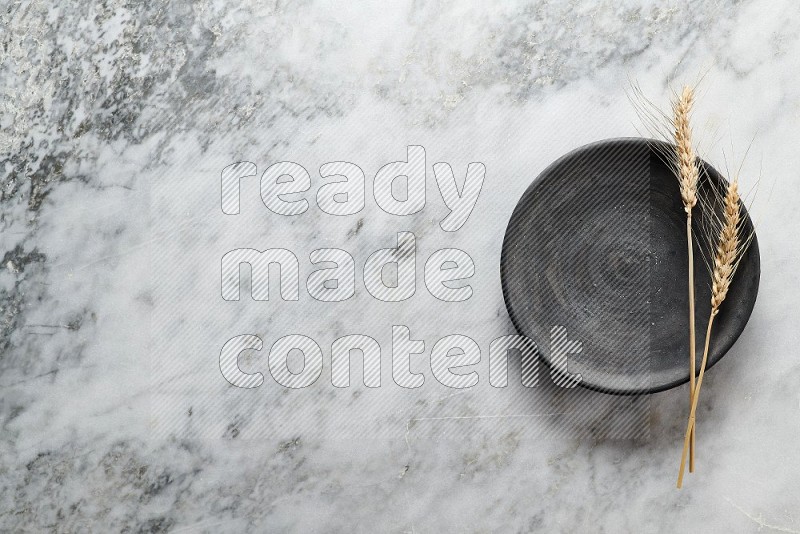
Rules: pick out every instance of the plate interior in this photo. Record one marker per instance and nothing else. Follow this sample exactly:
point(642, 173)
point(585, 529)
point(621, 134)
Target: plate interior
point(596, 249)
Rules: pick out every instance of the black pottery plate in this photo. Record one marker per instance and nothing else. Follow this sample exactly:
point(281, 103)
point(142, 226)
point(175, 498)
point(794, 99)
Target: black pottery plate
point(596, 249)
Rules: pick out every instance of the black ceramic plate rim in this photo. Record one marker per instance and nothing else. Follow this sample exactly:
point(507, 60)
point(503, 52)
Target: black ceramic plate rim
point(542, 178)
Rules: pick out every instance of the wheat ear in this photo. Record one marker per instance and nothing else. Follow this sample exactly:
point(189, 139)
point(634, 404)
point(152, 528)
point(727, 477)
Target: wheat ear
point(730, 246)
point(688, 176)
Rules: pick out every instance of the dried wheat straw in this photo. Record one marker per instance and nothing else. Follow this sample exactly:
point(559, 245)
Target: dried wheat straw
point(688, 175)
point(730, 248)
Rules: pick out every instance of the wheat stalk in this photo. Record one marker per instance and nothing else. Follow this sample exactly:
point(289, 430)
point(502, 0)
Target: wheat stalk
point(688, 175)
point(727, 238)
point(731, 245)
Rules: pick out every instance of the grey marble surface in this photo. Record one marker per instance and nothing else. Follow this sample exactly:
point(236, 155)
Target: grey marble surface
point(116, 120)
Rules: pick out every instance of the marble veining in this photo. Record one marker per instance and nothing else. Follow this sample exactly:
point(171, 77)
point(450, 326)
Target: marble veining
point(116, 119)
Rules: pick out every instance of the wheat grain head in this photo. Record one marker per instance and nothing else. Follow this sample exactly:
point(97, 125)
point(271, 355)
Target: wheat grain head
point(681, 151)
point(733, 238)
point(688, 173)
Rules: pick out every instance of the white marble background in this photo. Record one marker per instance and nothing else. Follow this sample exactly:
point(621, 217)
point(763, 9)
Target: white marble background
point(103, 103)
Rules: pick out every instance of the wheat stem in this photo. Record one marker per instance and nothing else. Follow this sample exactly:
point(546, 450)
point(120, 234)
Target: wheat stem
point(730, 247)
point(691, 333)
point(687, 177)
point(693, 410)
